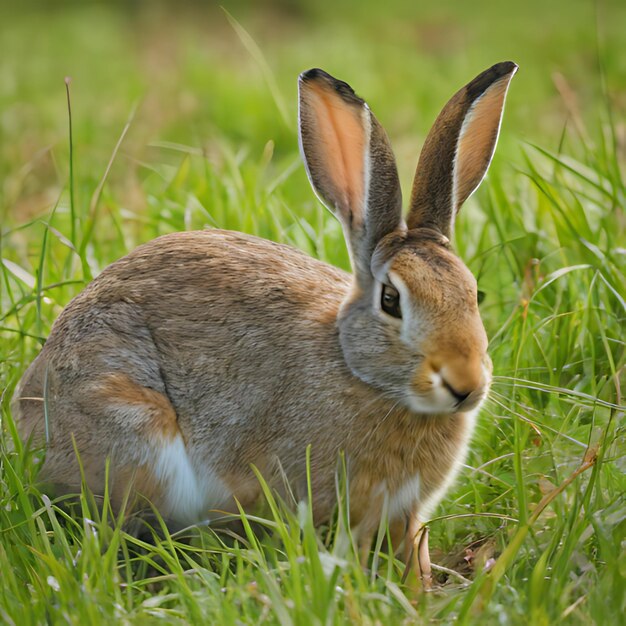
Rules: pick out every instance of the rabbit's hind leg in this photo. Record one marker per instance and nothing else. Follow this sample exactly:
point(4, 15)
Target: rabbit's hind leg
point(149, 447)
point(112, 417)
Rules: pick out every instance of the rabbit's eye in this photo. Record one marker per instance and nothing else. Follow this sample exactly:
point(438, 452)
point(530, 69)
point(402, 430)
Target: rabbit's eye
point(390, 302)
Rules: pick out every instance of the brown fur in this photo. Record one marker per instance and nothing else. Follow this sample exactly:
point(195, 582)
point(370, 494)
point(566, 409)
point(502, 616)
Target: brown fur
point(434, 198)
point(340, 144)
point(161, 420)
point(478, 136)
point(202, 354)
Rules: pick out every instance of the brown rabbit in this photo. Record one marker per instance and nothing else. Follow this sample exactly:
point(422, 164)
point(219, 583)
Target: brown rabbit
point(201, 354)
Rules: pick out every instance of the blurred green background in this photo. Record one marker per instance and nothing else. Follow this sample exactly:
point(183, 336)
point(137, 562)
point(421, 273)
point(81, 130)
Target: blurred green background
point(193, 80)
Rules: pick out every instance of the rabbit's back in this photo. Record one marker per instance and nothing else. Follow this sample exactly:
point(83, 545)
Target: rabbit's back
point(213, 338)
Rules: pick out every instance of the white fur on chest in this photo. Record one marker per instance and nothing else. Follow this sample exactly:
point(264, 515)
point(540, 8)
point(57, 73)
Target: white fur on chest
point(408, 497)
point(405, 499)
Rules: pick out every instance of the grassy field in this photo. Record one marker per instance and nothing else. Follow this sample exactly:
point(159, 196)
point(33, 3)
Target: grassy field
point(185, 119)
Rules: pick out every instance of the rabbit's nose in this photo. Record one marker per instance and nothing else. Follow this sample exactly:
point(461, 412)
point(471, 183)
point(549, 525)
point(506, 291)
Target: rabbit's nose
point(462, 377)
point(459, 395)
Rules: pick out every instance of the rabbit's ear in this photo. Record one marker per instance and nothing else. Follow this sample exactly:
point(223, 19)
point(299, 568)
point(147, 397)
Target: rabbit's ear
point(458, 149)
point(350, 164)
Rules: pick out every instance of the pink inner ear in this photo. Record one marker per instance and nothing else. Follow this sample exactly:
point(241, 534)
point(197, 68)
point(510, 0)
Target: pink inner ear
point(477, 142)
point(340, 144)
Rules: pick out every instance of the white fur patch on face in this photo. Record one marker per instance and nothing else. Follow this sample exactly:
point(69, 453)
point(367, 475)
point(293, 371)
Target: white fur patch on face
point(437, 401)
point(440, 400)
point(187, 499)
point(405, 499)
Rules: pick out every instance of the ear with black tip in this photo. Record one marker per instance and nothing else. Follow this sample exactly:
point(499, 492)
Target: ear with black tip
point(458, 149)
point(350, 164)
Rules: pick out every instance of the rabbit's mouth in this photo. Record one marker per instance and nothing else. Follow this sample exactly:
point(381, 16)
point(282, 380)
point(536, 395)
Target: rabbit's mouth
point(437, 389)
point(441, 401)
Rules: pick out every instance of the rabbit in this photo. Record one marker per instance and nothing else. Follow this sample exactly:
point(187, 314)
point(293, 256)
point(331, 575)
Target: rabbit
point(202, 354)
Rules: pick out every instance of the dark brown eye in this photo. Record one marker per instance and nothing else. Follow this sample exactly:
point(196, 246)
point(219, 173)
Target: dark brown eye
point(390, 302)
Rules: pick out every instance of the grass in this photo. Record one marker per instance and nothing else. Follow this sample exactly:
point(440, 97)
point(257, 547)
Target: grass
point(204, 114)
